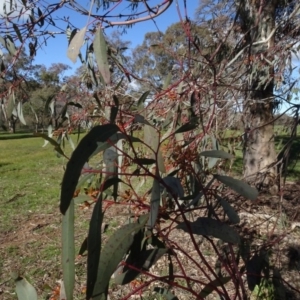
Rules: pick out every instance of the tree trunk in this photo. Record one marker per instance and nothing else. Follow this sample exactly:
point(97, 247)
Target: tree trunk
point(259, 154)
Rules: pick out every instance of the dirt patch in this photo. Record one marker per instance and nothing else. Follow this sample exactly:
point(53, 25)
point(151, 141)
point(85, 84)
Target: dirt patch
point(269, 224)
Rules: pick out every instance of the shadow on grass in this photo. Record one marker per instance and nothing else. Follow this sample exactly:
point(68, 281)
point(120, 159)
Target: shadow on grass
point(15, 136)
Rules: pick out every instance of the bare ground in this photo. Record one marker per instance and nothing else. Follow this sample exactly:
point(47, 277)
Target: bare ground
point(272, 223)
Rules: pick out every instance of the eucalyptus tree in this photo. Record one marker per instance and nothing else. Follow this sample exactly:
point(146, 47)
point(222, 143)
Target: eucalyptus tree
point(262, 37)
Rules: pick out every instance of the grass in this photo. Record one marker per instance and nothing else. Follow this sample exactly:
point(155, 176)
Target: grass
point(30, 177)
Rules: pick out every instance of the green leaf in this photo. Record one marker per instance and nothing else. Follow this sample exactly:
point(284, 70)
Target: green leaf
point(94, 247)
point(84, 150)
point(239, 186)
point(10, 46)
point(230, 212)
point(110, 182)
point(215, 228)
point(11, 104)
point(212, 161)
point(20, 113)
point(75, 44)
point(51, 141)
point(143, 98)
point(112, 253)
point(174, 186)
point(165, 292)
point(210, 287)
point(144, 260)
point(70, 34)
point(167, 81)
point(154, 203)
point(100, 50)
point(186, 127)
point(16, 28)
point(83, 247)
point(144, 161)
point(140, 119)
point(151, 139)
point(41, 18)
point(216, 154)
point(113, 114)
point(68, 251)
point(24, 290)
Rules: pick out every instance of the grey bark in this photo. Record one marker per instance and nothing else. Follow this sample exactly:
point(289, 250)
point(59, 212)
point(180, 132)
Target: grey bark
point(259, 156)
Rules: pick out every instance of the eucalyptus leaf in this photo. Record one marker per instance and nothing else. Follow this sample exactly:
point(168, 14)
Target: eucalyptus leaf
point(230, 212)
point(94, 247)
point(75, 44)
point(154, 203)
point(20, 113)
point(143, 260)
point(68, 251)
point(112, 253)
point(143, 98)
point(100, 50)
point(24, 290)
point(211, 227)
point(81, 154)
point(239, 186)
point(216, 154)
point(186, 127)
point(16, 29)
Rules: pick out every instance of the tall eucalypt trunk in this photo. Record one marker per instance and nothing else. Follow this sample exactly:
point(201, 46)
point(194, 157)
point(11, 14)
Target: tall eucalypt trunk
point(259, 156)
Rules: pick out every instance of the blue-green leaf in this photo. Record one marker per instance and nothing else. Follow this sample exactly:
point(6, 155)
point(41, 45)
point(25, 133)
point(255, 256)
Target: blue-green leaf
point(112, 253)
point(215, 228)
point(216, 154)
point(24, 290)
point(239, 186)
point(81, 155)
point(100, 50)
point(75, 44)
point(94, 247)
point(20, 113)
point(68, 251)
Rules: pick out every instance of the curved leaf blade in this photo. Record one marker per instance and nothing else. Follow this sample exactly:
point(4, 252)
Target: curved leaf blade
point(143, 98)
point(75, 44)
point(24, 290)
point(83, 151)
point(112, 253)
point(20, 113)
point(211, 227)
point(154, 203)
point(230, 212)
point(186, 127)
point(16, 29)
point(143, 261)
point(239, 186)
point(68, 251)
point(216, 154)
point(94, 247)
point(100, 50)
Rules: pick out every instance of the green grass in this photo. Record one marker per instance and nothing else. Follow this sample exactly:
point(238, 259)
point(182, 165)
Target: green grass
point(30, 177)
